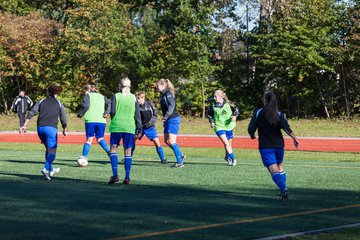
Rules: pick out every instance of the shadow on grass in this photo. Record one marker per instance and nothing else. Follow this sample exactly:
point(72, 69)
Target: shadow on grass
point(66, 208)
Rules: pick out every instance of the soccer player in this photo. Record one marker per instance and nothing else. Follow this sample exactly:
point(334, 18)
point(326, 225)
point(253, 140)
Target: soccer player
point(148, 119)
point(95, 108)
point(125, 123)
point(171, 118)
point(50, 109)
point(222, 116)
point(20, 105)
point(269, 122)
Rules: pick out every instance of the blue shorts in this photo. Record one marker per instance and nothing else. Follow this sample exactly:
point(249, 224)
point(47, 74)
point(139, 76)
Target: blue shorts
point(128, 139)
point(150, 133)
point(48, 136)
point(172, 126)
point(229, 134)
point(95, 129)
point(271, 156)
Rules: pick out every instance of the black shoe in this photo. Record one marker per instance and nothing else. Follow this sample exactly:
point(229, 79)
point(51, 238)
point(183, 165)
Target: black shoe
point(285, 195)
point(113, 179)
point(164, 161)
point(183, 156)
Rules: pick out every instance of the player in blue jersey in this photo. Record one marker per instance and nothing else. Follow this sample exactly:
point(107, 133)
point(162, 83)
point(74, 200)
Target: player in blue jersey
point(222, 116)
point(148, 118)
point(50, 109)
point(269, 122)
point(95, 108)
point(171, 118)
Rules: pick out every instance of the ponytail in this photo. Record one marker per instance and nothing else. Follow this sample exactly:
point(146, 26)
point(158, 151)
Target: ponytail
point(124, 86)
point(167, 83)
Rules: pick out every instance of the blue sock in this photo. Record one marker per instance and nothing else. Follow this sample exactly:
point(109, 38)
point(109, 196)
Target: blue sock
point(114, 163)
point(278, 178)
point(160, 152)
point(177, 152)
point(86, 149)
point(49, 160)
point(104, 145)
point(127, 163)
point(231, 155)
point(133, 149)
point(283, 177)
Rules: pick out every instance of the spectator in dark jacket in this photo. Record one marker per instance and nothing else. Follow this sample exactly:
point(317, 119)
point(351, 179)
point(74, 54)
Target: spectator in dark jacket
point(20, 105)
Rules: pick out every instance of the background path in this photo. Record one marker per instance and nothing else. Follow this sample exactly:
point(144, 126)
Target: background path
point(324, 144)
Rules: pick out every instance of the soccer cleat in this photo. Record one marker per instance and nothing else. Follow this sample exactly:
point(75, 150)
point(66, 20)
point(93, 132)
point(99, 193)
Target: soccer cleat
point(113, 179)
point(164, 161)
point(183, 156)
point(178, 165)
point(285, 195)
point(234, 162)
point(54, 171)
point(126, 181)
point(46, 174)
point(229, 161)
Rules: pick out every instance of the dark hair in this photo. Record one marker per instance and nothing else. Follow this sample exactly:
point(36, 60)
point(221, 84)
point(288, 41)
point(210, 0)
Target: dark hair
point(272, 111)
point(53, 89)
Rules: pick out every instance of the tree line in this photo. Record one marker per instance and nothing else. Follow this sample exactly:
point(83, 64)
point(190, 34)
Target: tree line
point(307, 51)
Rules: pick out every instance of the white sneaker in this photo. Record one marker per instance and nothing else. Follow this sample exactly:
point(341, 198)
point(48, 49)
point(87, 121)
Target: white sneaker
point(54, 171)
point(230, 163)
point(234, 162)
point(46, 174)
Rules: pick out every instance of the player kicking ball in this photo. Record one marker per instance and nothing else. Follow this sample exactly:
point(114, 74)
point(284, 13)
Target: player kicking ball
point(95, 108)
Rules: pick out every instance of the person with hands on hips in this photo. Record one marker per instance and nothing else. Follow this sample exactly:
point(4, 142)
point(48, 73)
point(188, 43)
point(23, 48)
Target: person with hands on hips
point(50, 110)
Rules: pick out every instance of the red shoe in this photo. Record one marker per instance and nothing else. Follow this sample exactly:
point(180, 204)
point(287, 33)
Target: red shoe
point(126, 181)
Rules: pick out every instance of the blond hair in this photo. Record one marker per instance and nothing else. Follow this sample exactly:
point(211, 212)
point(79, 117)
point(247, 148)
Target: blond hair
point(125, 85)
point(140, 93)
point(166, 83)
point(222, 94)
point(90, 87)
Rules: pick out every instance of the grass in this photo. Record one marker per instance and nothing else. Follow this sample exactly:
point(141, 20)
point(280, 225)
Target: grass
point(79, 204)
point(302, 127)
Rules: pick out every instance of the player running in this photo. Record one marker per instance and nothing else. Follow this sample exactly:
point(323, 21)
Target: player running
point(171, 118)
point(50, 109)
point(125, 123)
point(222, 116)
point(269, 122)
point(148, 118)
point(95, 108)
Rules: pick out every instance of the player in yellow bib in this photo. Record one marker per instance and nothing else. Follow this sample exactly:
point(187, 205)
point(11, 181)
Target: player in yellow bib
point(125, 123)
point(222, 116)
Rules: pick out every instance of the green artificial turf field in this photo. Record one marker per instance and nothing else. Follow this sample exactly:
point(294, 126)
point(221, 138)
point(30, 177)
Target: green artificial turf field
point(204, 200)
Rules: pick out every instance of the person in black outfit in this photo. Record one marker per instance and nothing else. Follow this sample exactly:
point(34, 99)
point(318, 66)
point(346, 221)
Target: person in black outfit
point(50, 109)
point(20, 105)
point(269, 122)
point(148, 118)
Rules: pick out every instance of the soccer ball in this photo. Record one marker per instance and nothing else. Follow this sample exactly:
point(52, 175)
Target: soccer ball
point(82, 161)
